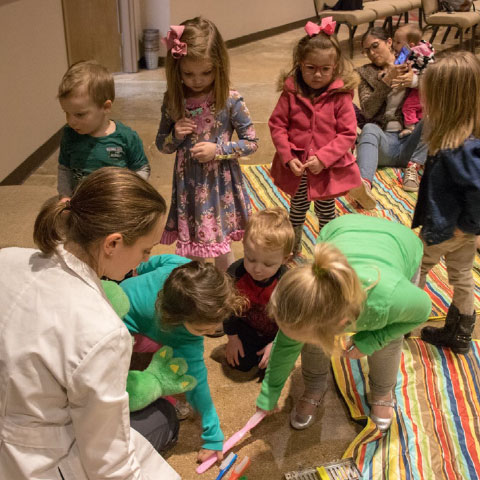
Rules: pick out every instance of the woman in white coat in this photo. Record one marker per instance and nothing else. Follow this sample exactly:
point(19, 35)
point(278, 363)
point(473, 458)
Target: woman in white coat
point(64, 353)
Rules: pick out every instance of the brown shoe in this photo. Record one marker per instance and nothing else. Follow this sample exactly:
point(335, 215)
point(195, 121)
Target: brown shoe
point(363, 196)
point(411, 181)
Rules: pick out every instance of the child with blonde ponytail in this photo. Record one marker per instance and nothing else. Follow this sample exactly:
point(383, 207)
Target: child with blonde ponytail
point(359, 281)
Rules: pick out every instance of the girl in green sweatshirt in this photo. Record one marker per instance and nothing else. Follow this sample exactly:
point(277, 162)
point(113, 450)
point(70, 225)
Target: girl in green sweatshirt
point(360, 281)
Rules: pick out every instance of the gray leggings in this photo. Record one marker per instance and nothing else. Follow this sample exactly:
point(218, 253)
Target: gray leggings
point(383, 365)
point(383, 368)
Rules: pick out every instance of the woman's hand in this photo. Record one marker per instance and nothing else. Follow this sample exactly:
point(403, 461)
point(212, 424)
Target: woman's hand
point(314, 165)
point(265, 351)
point(403, 79)
point(296, 166)
point(392, 72)
point(205, 454)
point(233, 350)
point(204, 151)
point(184, 127)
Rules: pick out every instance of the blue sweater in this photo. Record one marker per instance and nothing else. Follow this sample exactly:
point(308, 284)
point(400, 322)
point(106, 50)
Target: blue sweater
point(142, 292)
point(449, 195)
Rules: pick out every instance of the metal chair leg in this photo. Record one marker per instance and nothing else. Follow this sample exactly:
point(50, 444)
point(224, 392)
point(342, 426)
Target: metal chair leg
point(316, 10)
point(352, 29)
point(406, 17)
point(399, 20)
point(434, 34)
point(445, 35)
point(474, 27)
point(420, 18)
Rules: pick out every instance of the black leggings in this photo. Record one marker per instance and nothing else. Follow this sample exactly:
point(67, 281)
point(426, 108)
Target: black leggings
point(158, 423)
point(299, 205)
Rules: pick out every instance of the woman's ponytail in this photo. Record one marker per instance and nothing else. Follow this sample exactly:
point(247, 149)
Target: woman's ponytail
point(49, 225)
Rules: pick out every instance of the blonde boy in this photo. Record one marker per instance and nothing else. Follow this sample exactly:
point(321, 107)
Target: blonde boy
point(91, 140)
point(268, 244)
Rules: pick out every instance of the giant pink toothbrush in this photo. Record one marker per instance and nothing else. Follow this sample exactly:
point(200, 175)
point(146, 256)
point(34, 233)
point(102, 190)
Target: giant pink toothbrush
point(233, 440)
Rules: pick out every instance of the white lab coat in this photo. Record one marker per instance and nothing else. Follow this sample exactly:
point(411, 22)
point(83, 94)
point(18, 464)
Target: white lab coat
point(64, 358)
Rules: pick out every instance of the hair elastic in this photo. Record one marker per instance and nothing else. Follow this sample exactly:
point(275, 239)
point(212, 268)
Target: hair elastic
point(67, 205)
point(319, 271)
point(172, 41)
point(327, 26)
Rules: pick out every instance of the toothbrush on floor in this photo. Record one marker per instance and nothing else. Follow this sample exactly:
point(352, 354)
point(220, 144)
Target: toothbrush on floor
point(234, 439)
point(226, 464)
point(239, 470)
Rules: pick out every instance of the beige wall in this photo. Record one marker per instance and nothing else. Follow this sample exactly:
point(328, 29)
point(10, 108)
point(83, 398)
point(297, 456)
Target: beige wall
point(33, 59)
point(236, 18)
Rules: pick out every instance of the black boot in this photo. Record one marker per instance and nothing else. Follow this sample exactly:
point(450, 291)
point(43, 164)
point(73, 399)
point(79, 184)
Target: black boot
point(456, 334)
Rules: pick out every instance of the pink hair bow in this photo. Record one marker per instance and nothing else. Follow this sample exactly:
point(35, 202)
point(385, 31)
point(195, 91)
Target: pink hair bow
point(172, 41)
point(327, 26)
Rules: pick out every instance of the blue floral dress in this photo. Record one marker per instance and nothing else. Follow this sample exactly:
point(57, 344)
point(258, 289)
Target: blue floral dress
point(210, 205)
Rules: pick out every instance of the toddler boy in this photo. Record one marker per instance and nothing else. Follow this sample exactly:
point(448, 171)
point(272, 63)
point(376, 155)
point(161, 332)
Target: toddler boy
point(90, 139)
point(267, 244)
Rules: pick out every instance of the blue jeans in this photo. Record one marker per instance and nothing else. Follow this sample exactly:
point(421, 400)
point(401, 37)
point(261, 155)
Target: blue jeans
point(377, 148)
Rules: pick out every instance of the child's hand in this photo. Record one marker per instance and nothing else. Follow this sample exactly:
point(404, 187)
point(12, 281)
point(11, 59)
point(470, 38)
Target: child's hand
point(275, 409)
point(205, 454)
point(266, 355)
point(204, 151)
point(184, 126)
point(296, 166)
point(314, 165)
point(354, 354)
point(233, 350)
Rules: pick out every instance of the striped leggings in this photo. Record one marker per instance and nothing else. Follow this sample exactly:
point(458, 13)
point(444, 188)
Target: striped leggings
point(299, 205)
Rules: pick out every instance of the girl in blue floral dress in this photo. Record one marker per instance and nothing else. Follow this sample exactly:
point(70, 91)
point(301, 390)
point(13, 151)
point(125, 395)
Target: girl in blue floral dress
point(210, 205)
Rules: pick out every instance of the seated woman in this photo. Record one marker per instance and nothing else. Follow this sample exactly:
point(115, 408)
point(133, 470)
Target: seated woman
point(382, 91)
point(64, 352)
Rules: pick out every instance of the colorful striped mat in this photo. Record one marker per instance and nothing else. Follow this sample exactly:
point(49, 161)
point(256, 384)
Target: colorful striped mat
point(436, 432)
point(393, 203)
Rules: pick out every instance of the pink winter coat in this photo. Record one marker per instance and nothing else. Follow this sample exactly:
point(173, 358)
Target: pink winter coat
point(326, 128)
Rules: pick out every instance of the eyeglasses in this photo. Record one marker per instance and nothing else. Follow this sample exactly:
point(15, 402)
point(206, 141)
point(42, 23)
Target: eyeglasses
point(323, 70)
point(372, 48)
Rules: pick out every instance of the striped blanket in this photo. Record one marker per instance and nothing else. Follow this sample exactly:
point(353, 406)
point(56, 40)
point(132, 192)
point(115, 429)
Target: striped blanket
point(393, 203)
point(436, 431)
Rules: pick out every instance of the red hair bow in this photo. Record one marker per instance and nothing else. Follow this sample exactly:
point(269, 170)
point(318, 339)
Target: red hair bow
point(172, 41)
point(327, 26)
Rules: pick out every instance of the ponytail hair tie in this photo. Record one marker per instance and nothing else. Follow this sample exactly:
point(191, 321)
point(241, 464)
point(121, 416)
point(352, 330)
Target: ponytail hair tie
point(172, 41)
point(66, 205)
point(327, 26)
point(319, 271)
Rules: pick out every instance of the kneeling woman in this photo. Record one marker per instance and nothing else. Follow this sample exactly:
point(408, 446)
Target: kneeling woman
point(360, 281)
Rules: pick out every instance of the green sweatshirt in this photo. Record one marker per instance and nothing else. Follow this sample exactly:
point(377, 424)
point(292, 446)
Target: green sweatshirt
point(380, 251)
point(142, 292)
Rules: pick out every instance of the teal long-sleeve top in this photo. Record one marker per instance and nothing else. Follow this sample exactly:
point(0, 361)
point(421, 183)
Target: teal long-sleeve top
point(142, 292)
point(385, 255)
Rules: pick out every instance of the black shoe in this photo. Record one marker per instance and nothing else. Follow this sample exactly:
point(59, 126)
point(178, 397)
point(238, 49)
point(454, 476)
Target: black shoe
point(456, 334)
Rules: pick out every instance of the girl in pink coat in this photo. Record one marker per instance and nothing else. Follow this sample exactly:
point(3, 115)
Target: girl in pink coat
point(313, 128)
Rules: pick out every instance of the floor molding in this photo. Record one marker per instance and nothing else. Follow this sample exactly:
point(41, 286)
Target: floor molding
point(37, 158)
